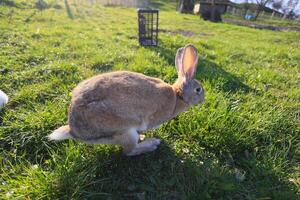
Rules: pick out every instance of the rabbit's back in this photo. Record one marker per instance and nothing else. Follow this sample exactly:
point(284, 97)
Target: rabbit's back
point(113, 102)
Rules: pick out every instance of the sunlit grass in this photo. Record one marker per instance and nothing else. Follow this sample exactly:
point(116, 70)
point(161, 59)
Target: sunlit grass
point(243, 143)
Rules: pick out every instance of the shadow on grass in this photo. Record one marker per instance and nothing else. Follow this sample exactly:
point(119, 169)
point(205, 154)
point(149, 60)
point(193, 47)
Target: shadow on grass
point(158, 175)
point(164, 175)
point(30, 16)
point(209, 71)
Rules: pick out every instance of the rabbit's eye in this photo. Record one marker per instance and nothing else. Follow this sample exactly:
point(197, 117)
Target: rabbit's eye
point(198, 90)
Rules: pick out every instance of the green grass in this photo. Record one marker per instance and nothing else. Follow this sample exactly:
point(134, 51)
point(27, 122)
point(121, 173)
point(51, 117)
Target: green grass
point(267, 20)
point(243, 143)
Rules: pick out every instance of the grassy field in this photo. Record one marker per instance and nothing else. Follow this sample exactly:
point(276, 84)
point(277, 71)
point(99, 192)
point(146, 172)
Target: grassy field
point(243, 143)
point(265, 20)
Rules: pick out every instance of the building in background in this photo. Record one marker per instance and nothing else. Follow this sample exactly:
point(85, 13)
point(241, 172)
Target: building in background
point(213, 9)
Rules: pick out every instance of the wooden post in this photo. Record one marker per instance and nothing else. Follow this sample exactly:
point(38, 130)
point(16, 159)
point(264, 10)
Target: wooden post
point(273, 13)
point(213, 10)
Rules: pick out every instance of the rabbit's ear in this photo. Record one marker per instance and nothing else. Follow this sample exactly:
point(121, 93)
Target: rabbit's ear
point(178, 61)
point(189, 61)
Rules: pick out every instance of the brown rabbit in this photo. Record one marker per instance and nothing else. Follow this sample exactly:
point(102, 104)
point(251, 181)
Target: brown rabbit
point(114, 108)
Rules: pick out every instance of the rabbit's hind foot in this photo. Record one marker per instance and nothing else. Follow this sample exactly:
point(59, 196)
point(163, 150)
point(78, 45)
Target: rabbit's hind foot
point(147, 145)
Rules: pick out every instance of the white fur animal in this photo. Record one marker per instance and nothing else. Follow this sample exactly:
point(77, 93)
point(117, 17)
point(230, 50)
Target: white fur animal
point(3, 99)
point(114, 108)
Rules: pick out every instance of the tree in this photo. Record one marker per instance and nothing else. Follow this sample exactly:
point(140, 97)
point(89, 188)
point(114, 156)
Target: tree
point(261, 4)
point(185, 6)
point(289, 8)
point(291, 15)
point(277, 5)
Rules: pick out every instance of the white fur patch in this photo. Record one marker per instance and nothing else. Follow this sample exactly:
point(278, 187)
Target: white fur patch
point(3, 99)
point(60, 134)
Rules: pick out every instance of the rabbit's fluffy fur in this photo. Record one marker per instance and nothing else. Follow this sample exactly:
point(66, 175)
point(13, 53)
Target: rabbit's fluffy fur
point(3, 99)
point(114, 108)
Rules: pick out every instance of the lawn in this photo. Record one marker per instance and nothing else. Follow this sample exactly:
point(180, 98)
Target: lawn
point(242, 143)
point(285, 24)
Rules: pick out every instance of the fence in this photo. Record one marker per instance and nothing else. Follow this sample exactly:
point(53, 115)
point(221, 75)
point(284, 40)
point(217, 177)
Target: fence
point(127, 3)
point(263, 15)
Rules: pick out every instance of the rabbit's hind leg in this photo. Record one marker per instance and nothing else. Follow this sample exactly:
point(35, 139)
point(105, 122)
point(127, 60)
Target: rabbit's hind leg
point(130, 145)
point(105, 140)
point(129, 141)
point(148, 145)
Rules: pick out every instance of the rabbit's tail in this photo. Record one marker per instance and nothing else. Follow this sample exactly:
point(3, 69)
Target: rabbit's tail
point(61, 133)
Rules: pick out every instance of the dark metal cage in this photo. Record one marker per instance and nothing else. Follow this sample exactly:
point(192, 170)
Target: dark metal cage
point(148, 26)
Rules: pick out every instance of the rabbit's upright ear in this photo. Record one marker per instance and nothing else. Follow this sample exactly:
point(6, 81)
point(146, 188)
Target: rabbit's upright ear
point(178, 62)
point(189, 61)
point(186, 62)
